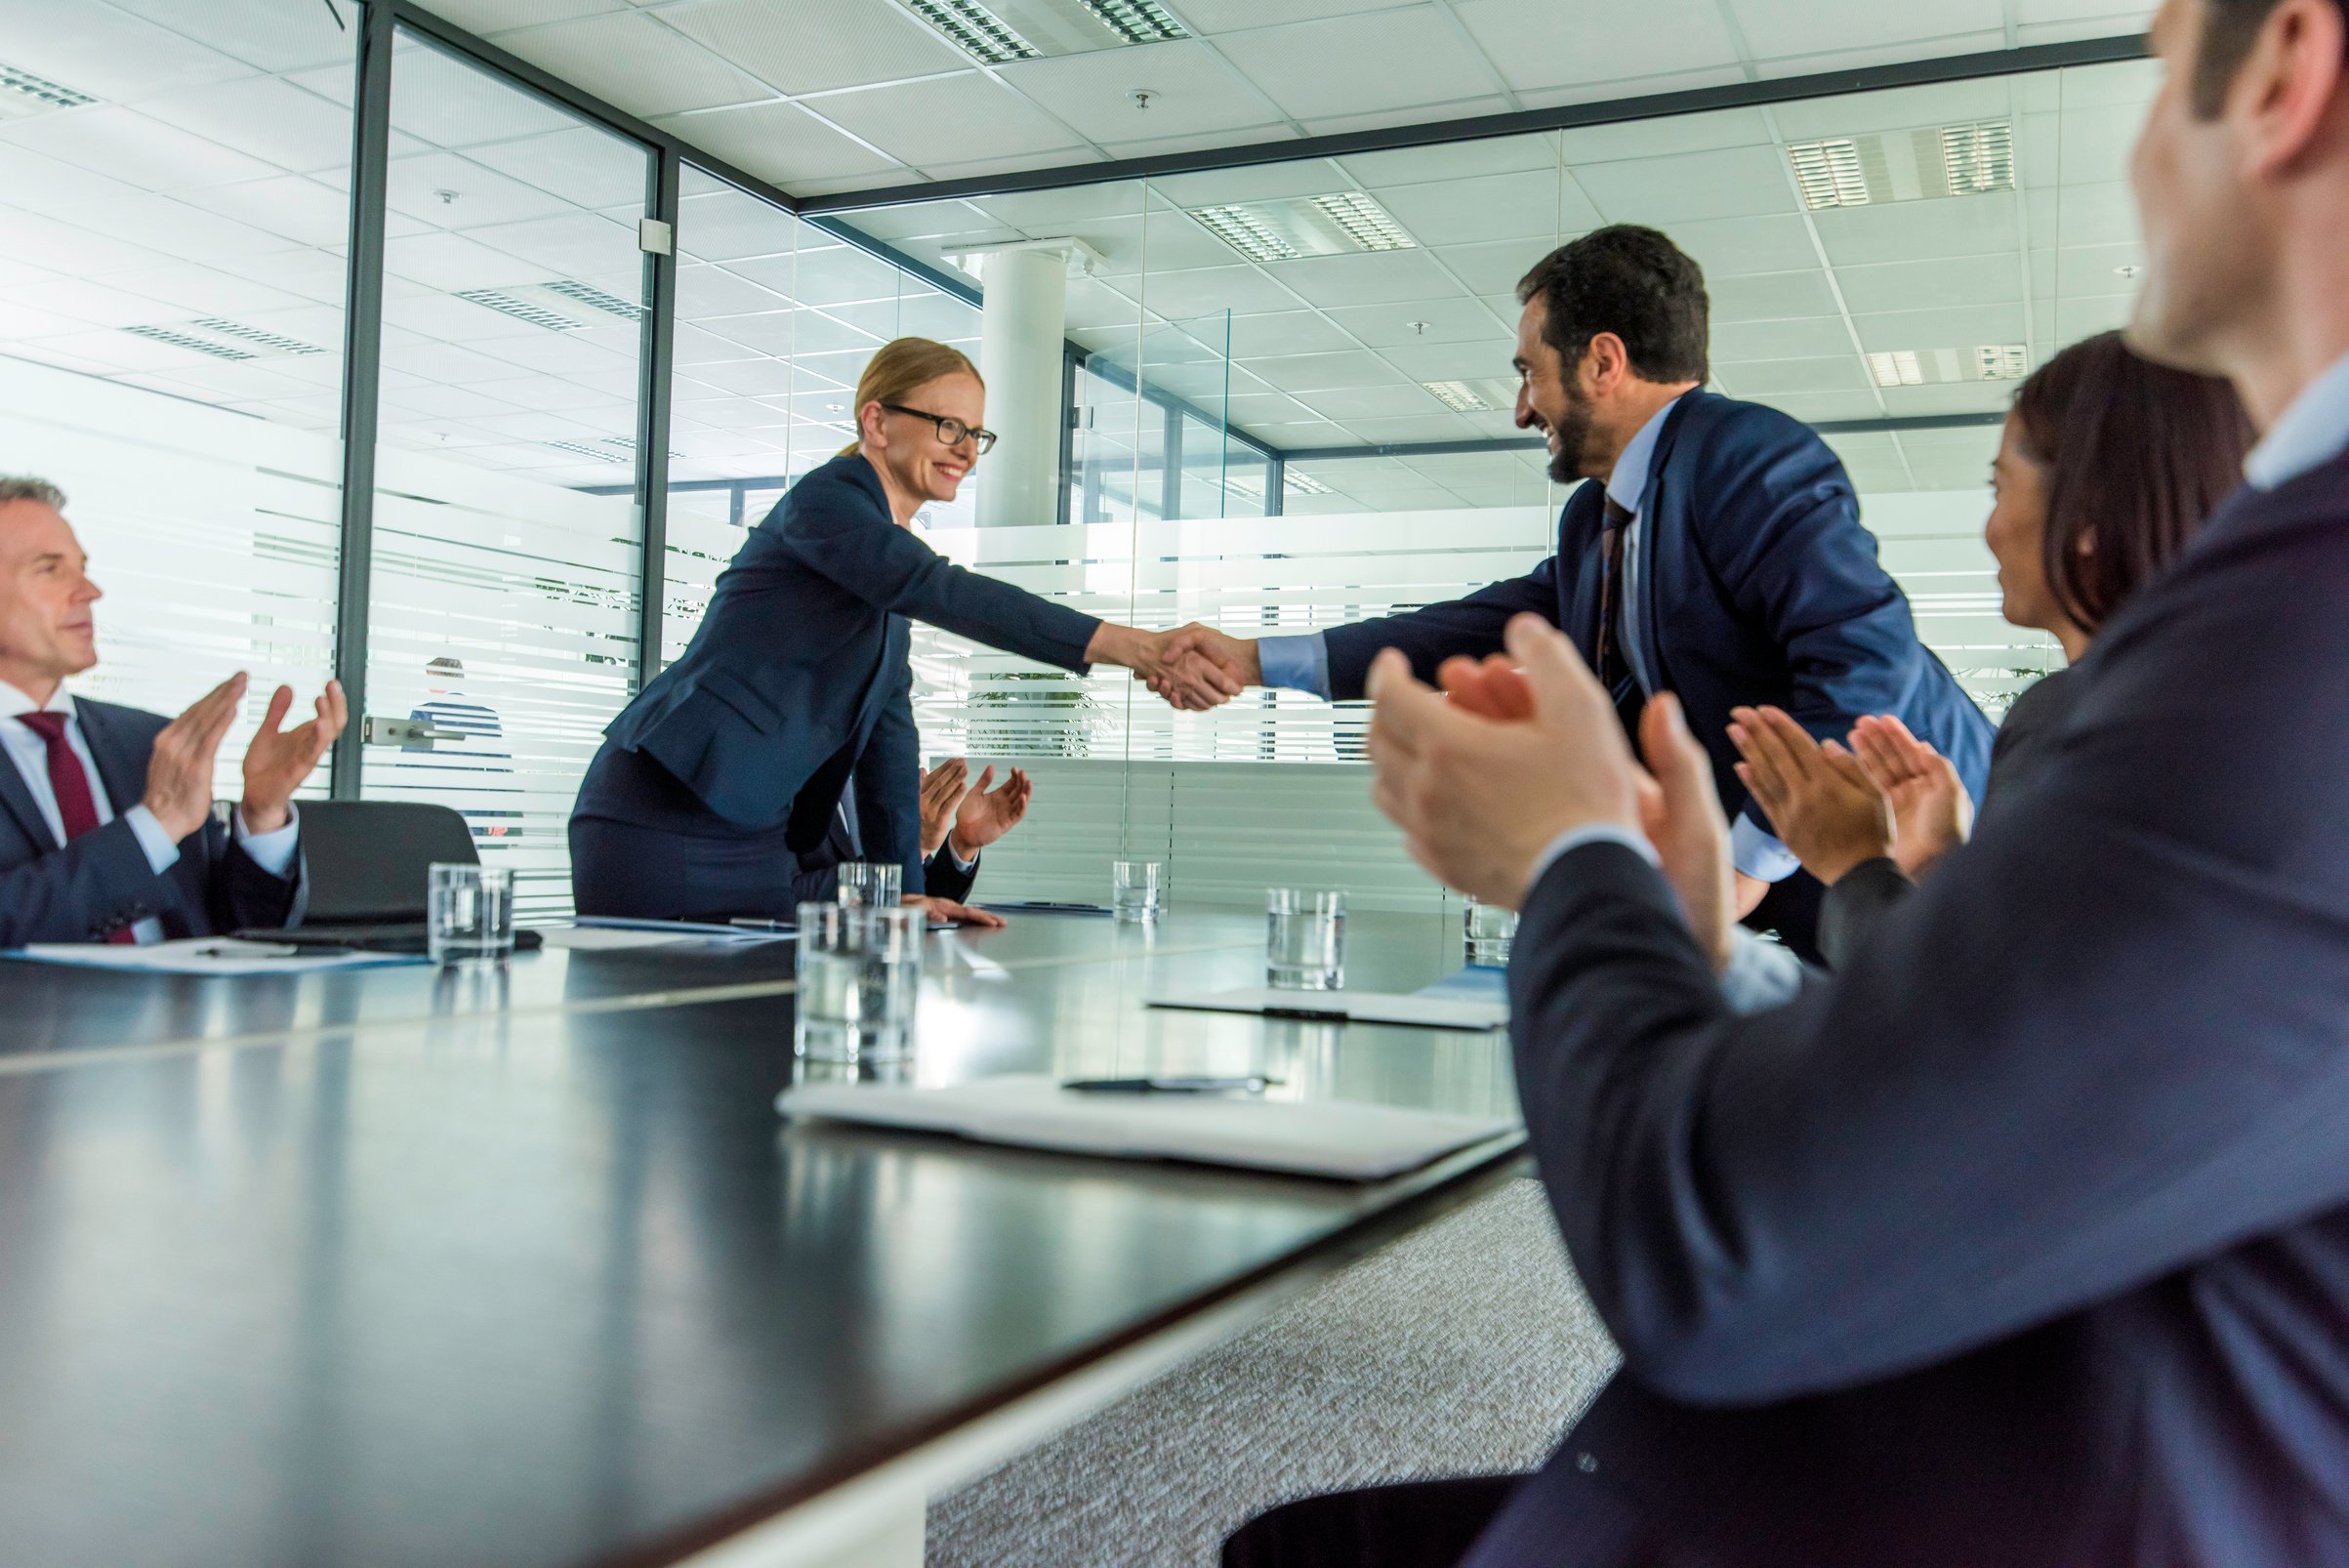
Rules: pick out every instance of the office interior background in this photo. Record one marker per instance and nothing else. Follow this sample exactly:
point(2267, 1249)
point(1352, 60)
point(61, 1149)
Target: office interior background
point(369, 336)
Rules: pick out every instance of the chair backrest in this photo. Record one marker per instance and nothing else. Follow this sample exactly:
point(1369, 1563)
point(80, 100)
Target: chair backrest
point(369, 859)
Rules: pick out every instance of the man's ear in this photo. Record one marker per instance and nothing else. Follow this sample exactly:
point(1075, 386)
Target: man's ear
point(1605, 364)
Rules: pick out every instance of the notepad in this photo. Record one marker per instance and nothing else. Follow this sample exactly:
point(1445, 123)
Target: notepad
point(206, 955)
point(1338, 1138)
point(1348, 1007)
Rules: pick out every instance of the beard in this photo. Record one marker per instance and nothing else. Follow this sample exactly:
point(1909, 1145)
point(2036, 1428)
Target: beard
point(1572, 429)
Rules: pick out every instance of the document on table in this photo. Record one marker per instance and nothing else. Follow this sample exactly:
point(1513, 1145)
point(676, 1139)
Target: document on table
point(605, 933)
point(1348, 1007)
point(1339, 1138)
point(207, 955)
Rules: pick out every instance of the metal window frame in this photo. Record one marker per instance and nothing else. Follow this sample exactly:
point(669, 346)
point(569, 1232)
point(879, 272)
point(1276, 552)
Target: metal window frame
point(656, 356)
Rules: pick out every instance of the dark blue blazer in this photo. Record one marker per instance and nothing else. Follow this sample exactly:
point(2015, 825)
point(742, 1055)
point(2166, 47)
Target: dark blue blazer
point(102, 880)
point(1756, 584)
point(799, 671)
point(2026, 1240)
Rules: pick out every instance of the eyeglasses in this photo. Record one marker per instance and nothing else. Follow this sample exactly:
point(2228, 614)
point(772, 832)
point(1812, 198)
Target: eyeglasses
point(950, 431)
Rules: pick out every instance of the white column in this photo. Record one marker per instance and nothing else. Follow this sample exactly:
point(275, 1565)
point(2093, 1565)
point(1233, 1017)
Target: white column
point(1025, 311)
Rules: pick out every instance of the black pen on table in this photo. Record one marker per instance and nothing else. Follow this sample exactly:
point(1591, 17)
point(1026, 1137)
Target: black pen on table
point(1253, 1084)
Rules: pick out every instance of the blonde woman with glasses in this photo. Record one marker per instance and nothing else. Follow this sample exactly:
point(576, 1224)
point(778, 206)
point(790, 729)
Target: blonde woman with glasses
point(785, 734)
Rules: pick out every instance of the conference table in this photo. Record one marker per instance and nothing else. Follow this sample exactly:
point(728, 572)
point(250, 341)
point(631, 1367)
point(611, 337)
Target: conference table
point(519, 1264)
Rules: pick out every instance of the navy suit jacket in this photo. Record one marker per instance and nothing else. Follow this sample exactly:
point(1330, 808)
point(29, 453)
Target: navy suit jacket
point(799, 671)
point(2026, 1240)
point(102, 880)
point(1757, 585)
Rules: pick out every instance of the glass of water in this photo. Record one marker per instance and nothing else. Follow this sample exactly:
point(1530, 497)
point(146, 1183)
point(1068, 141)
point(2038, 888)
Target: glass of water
point(1305, 940)
point(469, 913)
point(1491, 932)
point(1134, 889)
point(859, 973)
point(861, 882)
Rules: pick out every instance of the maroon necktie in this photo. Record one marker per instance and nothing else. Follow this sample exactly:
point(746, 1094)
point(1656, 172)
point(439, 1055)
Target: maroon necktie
point(76, 807)
point(1612, 665)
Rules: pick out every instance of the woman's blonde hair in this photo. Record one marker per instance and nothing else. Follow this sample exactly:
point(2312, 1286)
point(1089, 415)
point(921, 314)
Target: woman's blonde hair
point(891, 375)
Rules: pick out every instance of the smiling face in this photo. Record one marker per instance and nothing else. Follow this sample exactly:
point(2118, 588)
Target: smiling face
point(908, 448)
point(47, 631)
point(1549, 400)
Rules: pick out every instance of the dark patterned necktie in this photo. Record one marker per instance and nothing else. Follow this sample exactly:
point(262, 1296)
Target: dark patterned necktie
point(1611, 663)
point(70, 781)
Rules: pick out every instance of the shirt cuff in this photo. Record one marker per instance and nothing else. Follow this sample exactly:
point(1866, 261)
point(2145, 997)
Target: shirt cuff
point(1593, 833)
point(1762, 975)
point(1299, 662)
point(273, 853)
point(957, 861)
point(1758, 855)
point(161, 854)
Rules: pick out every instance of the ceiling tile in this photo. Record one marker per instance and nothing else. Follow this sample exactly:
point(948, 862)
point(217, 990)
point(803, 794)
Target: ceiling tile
point(1193, 91)
point(110, 55)
point(1209, 291)
point(1238, 136)
point(1959, 328)
point(267, 35)
point(1542, 97)
point(1955, 397)
point(1377, 277)
point(1351, 404)
point(1844, 372)
point(632, 60)
point(1771, 296)
point(945, 119)
point(1317, 372)
point(1775, 28)
point(477, 197)
point(1426, 321)
point(1453, 361)
point(1730, 183)
point(704, 290)
point(1818, 406)
point(1345, 66)
point(1543, 43)
point(1038, 213)
point(486, 16)
point(1492, 272)
point(778, 141)
point(265, 117)
point(131, 148)
point(1237, 15)
point(1850, 60)
point(1257, 338)
point(1304, 177)
point(1897, 109)
point(1453, 160)
point(1802, 337)
point(1930, 285)
point(1710, 132)
point(1959, 226)
point(1538, 203)
point(1410, 115)
point(812, 49)
point(584, 165)
point(1729, 247)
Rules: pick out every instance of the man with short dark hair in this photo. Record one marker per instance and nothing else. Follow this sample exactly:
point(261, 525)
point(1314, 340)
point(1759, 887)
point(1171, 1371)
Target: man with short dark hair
point(2024, 1241)
point(1717, 554)
point(106, 824)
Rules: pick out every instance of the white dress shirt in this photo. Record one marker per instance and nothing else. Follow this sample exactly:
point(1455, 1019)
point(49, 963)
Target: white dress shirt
point(274, 852)
point(2312, 431)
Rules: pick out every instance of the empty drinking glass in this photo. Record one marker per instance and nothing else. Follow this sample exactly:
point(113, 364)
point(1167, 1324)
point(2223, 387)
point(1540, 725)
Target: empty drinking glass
point(1305, 940)
point(469, 913)
point(1134, 889)
point(859, 970)
point(1490, 931)
point(861, 882)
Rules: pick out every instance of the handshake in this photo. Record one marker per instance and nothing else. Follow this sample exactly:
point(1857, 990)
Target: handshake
point(1194, 666)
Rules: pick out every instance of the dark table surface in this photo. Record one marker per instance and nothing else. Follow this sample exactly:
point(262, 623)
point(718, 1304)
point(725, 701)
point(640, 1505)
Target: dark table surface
point(521, 1267)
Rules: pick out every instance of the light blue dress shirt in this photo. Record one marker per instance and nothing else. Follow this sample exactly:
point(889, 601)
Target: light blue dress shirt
point(274, 852)
point(2311, 432)
point(1302, 662)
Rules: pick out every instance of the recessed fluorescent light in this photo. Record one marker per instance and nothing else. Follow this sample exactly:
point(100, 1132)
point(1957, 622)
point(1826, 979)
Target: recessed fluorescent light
point(1457, 396)
point(604, 449)
point(1919, 367)
point(272, 342)
point(1952, 160)
point(537, 316)
point(589, 295)
point(23, 94)
point(1304, 484)
point(190, 340)
point(1342, 224)
point(975, 30)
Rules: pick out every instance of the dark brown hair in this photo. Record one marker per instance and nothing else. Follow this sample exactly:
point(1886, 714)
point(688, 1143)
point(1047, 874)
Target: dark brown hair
point(2229, 29)
point(1635, 283)
point(2137, 455)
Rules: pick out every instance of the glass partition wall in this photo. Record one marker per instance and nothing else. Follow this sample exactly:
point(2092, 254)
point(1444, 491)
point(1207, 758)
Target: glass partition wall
point(1285, 388)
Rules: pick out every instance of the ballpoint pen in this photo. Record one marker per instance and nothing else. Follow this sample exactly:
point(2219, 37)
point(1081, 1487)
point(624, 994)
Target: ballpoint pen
point(1254, 1084)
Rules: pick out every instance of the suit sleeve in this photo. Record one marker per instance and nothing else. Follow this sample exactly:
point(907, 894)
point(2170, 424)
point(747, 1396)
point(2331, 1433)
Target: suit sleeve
point(242, 895)
point(1855, 905)
point(889, 786)
point(891, 569)
point(1471, 626)
point(101, 879)
point(943, 879)
point(2102, 1044)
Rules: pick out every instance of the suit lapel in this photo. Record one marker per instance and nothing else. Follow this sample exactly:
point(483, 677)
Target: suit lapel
point(1659, 508)
point(19, 803)
point(123, 775)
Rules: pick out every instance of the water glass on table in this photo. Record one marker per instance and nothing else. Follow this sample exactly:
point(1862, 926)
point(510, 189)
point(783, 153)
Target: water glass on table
point(469, 913)
point(1305, 940)
point(862, 882)
point(1134, 889)
point(1491, 932)
point(859, 970)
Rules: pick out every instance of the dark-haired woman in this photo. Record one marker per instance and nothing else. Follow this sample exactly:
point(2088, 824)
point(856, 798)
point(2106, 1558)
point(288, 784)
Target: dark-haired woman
point(2107, 465)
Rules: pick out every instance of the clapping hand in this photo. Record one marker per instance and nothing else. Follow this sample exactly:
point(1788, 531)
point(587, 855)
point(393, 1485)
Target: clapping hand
point(941, 794)
point(1820, 801)
point(278, 761)
point(179, 768)
point(1931, 812)
point(986, 815)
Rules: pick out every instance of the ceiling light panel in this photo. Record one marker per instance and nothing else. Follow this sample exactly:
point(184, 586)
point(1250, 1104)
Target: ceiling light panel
point(1972, 159)
point(564, 305)
point(1343, 224)
point(1490, 396)
point(975, 30)
point(221, 339)
point(1004, 30)
point(1921, 367)
point(23, 94)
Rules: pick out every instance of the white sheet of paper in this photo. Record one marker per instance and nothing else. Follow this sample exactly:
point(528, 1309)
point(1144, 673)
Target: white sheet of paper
point(207, 955)
point(1357, 1007)
point(1339, 1138)
point(618, 932)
